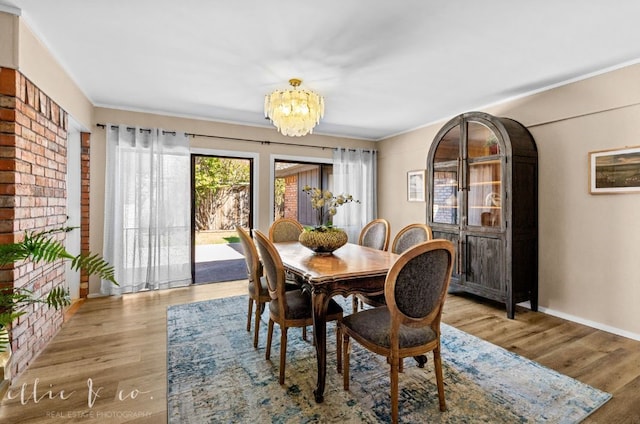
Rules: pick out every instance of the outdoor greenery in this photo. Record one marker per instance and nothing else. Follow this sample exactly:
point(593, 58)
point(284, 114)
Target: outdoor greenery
point(42, 247)
point(215, 180)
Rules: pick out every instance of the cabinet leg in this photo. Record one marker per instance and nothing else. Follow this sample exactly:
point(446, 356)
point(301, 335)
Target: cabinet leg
point(534, 300)
point(511, 310)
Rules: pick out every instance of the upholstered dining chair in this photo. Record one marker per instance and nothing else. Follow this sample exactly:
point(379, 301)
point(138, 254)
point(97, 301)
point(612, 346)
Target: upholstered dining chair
point(289, 308)
point(258, 293)
point(406, 238)
point(409, 325)
point(409, 236)
point(375, 235)
point(285, 229)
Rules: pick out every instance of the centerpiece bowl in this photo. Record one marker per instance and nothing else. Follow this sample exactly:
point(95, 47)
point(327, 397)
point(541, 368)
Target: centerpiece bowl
point(323, 240)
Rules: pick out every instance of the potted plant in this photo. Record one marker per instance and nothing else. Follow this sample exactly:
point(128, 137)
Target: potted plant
point(324, 238)
point(41, 247)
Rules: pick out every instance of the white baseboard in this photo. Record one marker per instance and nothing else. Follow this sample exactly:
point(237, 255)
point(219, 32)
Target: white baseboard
point(589, 323)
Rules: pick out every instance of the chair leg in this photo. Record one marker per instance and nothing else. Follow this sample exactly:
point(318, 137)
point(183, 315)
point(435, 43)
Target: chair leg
point(339, 346)
point(394, 389)
point(401, 365)
point(283, 352)
point(437, 365)
point(249, 314)
point(269, 336)
point(304, 333)
point(346, 350)
point(354, 304)
point(257, 325)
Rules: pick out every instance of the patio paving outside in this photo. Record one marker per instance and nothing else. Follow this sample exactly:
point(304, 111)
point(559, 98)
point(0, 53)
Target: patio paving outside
point(217, 252)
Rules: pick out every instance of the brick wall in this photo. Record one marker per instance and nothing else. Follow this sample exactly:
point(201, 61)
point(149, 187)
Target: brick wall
point(85, 165)
point(33, 160)
point(291, 197)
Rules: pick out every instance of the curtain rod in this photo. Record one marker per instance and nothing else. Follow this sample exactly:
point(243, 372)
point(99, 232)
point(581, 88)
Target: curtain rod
point(264, 142)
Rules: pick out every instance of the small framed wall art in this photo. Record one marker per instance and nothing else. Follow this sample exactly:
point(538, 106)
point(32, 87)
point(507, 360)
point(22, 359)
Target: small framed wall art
point(615, 171)
point(415, 185)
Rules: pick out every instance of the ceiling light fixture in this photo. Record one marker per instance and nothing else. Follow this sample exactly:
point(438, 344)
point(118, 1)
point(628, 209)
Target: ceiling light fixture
point(295, 111)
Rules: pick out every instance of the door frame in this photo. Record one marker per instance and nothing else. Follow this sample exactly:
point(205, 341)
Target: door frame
point(73, 178)
point(253, 188)
point(273, 158)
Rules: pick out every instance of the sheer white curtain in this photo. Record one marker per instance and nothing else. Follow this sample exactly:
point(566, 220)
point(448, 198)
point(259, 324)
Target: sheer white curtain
point(355, 173)
point(147, 232)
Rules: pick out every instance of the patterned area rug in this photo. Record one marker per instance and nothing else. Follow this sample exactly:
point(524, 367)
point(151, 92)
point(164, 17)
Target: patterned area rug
point(215, 375)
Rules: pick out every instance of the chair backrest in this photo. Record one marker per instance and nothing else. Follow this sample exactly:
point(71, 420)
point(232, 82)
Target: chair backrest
point(417, 283)
point(409, 236)
point(254, 267)
point(273, 269)
point(285, 229)
point(375, 234)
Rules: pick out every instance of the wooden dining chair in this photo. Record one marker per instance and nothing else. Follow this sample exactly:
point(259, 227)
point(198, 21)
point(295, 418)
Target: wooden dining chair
point(258, 293)
point(409, 236)
point(375, 235)
point(285, 229)
point(289, 308)
point(409, 324)
point(406, 238)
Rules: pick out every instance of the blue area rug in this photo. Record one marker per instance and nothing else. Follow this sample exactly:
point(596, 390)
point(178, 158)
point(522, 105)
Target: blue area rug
point(216, 376)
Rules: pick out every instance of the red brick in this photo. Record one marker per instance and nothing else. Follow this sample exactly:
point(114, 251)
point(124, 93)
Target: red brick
point(7, 238)
point(32, 99)
point(8, 81)
point(7, 114)
point(22, 83)
point(7, 140)
point(23, 120)
point(7, 165)
point(8, 127)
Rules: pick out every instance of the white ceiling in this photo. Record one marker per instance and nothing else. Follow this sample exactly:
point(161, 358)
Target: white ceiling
point(384, 67)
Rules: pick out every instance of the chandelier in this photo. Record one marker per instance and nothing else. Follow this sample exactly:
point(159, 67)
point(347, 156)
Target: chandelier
point(295, 111)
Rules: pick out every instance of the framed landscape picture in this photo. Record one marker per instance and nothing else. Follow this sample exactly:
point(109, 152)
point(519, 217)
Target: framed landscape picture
point(615, 171)
point(415, 186)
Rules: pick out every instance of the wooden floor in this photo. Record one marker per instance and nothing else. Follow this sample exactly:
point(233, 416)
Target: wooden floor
point(111, 354)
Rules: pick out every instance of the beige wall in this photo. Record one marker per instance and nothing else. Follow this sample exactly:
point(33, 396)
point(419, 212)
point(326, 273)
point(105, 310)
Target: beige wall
point(9, 40)
point(589, 244)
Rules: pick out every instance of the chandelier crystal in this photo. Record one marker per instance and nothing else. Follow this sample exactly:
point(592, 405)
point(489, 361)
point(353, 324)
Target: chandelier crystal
point(294, 111)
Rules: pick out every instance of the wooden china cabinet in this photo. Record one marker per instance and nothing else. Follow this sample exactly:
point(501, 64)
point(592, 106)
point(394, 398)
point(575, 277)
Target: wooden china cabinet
point(483, 196)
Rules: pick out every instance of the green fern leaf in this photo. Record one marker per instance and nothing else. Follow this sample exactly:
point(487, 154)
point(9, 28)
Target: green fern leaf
point(94, 265)
point(58, 297)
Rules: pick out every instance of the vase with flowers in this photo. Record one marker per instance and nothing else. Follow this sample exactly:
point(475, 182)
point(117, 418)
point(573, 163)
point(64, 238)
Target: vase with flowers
point(324, 238)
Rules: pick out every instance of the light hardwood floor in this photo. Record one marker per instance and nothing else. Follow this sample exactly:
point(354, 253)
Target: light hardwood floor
point(118, 346)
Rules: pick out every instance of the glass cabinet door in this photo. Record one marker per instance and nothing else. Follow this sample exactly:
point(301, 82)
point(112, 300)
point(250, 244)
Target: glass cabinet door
point(484, 196)
point(446, 178)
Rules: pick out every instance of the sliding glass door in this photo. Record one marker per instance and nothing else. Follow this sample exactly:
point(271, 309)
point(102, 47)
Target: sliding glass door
point(221, 199)
point(290, 178)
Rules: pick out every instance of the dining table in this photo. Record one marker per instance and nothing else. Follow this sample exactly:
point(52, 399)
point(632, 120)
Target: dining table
point(351, 269)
